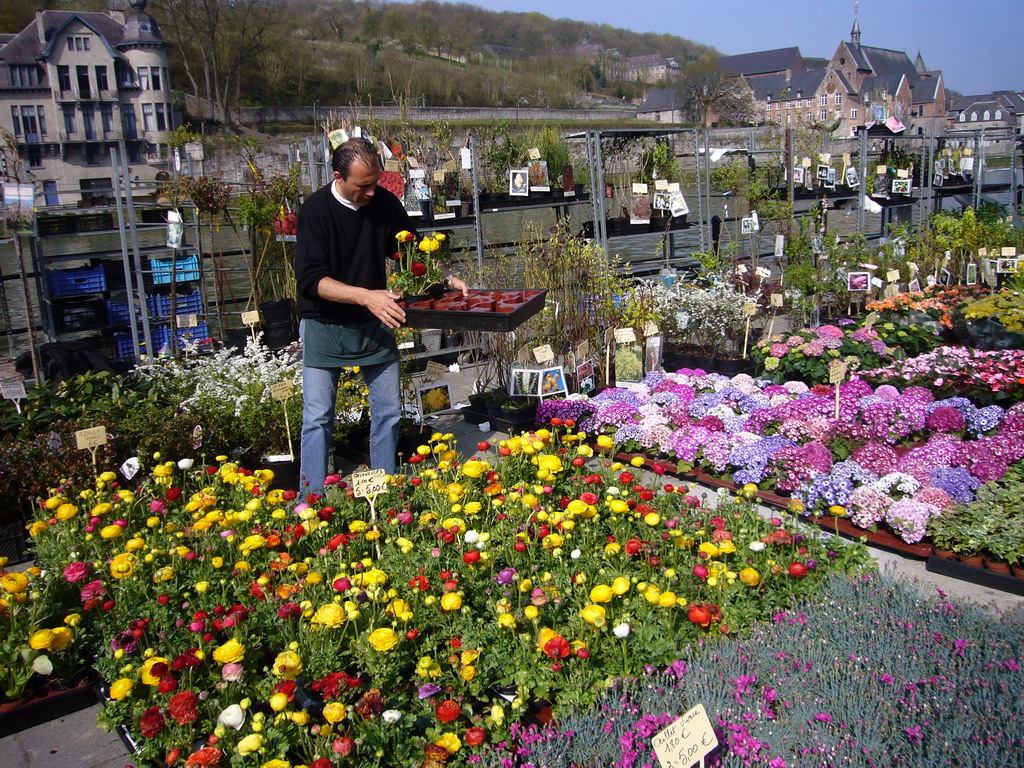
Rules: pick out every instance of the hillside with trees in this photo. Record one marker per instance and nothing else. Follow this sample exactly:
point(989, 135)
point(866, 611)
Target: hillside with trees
point(297, 52)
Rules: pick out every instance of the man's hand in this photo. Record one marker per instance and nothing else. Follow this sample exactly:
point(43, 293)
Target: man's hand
point(384, 307)
point(458, 284)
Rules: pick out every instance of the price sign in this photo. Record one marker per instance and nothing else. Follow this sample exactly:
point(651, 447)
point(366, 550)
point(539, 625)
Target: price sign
point(912, 266)
point(14, 390)
point(439, 175)
point(650, 329)
point(625, 335)
point(661, 184)
point(466, 157)
point(251, 318)
point(369, 483)
point(983, 253)
point(880, 170)
point(523, 355)
point(902, 173)
point(686, 741)
point(1008, 252)
point(451, 166)
point(543, 354)
point(806, 162)
point(837, 371)
point(583, 350)
point(282, 390)
point(412, 161)
point(846, 158)
point(533, 153)
point(639, 189)
point(750, 309)
point(392, 166)
point(91, 438)
point(871, 319)
point(780, 245)
point(434, 370)
point(892, 276)
point(188, 321)
point(776, 299)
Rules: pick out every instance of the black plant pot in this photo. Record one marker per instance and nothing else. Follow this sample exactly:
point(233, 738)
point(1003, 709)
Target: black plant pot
point(277, 312)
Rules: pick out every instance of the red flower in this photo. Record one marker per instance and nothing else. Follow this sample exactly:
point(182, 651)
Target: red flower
point(173, 494)
point(207, 757)
point(184, 707)
point(168, 684)
point(475, 737)
point(418, 269)
point(151, 722)
point(797, 570)
point(557, 648)
point(419, 582)
point(471, 557)
point(447, 711)
point(396, 256)
point(699, 614)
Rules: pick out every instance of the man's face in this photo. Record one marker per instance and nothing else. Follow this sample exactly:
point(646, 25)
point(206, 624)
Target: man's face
point(360, 184)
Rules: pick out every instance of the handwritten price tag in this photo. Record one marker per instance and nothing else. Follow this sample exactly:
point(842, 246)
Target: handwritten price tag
point(369, 483)
point(639, 189)
point(749, 309)
point(92, 437)
point(533, 153)
point(282, 390)
point(625, 335)
point(686, 741)
point(435, 370)
point(188, 321)
point(251, 318)
point(1008, 251)
point(13, 391)
point(892, 276)
point(543, 354)
point(776, 299)
point(837, 371)
point(650, 329)
point(583, 350)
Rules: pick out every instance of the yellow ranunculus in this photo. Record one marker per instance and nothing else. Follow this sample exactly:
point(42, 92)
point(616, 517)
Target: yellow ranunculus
point(66, 511)
point(621, 585)
point(726, 547)
point(531, 612)
point(329, 615)
point(288, 665)
point(334, 712)
point(121, 688)
point(146, 670)
point(594, 614)
point(278, 701)
point(451, 601)
point(231, 652)
point(60, 638)
point(605, 443)
point(450, 742)
point(383, 639)
point(123, 565)
point(750, 577)
point(507, 620)
point(709, 549)
point(14, 582)
point(667, 599)
point(601, 593)
point(40, 639)
point(249, 744)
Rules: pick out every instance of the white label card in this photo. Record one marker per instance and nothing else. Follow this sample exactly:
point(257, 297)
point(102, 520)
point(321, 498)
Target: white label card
point(625, 335)
point(368, 483)
point(251, 318)
point(13, 391)
point(686, 741)
point(282, 390)
point(435, 370)
point(650, 329)
point(543, 354)
point(91, 437)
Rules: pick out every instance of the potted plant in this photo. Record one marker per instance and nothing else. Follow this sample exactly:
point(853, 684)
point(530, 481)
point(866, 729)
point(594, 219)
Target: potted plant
point(516, 409)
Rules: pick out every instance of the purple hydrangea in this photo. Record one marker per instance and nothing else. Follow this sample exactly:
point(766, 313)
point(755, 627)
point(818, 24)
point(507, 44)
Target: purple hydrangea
point(957, 482)
point(909, 519)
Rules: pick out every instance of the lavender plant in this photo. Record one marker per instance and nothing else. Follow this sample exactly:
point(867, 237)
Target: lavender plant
point(873, 675)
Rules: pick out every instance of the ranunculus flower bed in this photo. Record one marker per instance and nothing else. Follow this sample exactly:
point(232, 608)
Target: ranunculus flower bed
point(239, 626)
point(935, 301)
point(890, 457)
point(984, 377)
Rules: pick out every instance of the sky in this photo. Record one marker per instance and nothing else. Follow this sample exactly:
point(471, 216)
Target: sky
point(976, 44)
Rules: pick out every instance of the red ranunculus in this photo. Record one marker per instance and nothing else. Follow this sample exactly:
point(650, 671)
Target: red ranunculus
point(447, 711)
point(418, 269)
point(557, 648)
point(699, 614)
point(173, 494)
point(184, 707)
point(168, 684)
point(797, 570)
point(475, 737)
point(151, 722)
point(207, 757)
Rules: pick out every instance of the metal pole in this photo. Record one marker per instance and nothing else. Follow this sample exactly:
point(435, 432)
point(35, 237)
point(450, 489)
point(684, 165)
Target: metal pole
point(125, 261)
point(1013, 177)
point(478, 226)
point(595, 201)
point(790, 189)
point(862, 197)
point(707, 175)
point(599, 162)
point(134, 233)
point(700, 195)
point(311, 174)
point(979, 165)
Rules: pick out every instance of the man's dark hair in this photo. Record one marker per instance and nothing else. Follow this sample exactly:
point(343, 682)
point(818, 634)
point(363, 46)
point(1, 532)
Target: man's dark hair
point(358, 150)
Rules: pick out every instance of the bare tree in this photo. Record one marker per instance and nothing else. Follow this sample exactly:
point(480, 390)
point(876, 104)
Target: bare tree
point(705, 90)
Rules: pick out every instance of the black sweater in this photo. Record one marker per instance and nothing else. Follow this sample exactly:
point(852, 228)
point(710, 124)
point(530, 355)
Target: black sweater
point(350, 246)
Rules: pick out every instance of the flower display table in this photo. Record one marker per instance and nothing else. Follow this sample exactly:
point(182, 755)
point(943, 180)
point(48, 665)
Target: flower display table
point(495, 310)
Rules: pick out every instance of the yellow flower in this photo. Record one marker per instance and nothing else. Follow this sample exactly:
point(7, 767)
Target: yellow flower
point(531, 612)
point(750, 577)
point(507, 620)
point(288, 665)
point(594, 614)
point(60, 638)
point(468, 673)
point(13, 582)
point(621, 585)
point(667, 599)
point(605, 443)
point(121, 688)
point(452, 601)
point(66, 511)
point(450, 742)
point(146, 670)
point(329, 615)
point(249, 744)
point(709, 549)
point(601, 593)
point(231, 652)
point(383, 639)
point(40, 639)
point(277, 762)
point(278, 701)
point(123, 565)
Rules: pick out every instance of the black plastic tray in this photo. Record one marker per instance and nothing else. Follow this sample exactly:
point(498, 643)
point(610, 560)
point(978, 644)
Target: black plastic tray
point(424, 314)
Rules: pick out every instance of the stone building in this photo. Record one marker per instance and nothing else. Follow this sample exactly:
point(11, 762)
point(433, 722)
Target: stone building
point(75, 83)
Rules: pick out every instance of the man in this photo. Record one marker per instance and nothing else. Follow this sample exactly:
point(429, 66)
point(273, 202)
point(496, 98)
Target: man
point(346, 234)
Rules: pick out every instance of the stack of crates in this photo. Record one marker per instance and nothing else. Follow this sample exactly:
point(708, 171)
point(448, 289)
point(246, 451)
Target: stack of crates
point(76, 281)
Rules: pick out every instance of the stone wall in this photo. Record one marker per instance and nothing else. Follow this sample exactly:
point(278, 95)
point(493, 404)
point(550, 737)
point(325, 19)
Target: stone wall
point(266, 115)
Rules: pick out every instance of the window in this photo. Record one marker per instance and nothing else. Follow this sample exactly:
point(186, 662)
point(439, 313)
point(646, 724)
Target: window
point(82, 75)
point(78, 44)
point(129, 122)
point(853, 113)
point(144, 78)
point(147, 117)
point(16, 119)
point(839, 99)
point(809, 117)
point(161, 120)
point(101, 78)
point(24, 75)
point(89, 120)
point(789, 117)
point(166, 81)
point(155, 78)
point(35, 156)
point(824, 115)
point(988, 115)
point(70, 126)
point(107, 117)
point(92, 154)
point(64, 77)
point(134, 156)
point(778, 119)
point(963, 117)
point(999, 114)
point(30, 125)
point(824, 99)
point(974, 117)
point(170, 116)
point(124, 74)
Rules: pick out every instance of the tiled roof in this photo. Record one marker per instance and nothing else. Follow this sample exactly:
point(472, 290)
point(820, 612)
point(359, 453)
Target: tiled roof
point(760, 62)
point(660, 100)
point(27, 47)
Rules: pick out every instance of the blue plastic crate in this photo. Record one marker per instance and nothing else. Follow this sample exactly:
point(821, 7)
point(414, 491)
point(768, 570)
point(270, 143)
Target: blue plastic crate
point(74, 282)
point(118, 312)
point(187, 304)
point(162, 335)
point(187, 268)
point(124, 348)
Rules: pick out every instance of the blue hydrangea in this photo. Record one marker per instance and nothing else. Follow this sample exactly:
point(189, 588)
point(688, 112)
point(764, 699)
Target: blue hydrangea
point(984, 419)
point(957, 482)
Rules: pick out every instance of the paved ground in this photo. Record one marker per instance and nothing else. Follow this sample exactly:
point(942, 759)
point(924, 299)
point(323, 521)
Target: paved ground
point(75, 742)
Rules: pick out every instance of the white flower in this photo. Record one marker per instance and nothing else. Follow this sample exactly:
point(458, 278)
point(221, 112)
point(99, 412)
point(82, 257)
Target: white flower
point(756, 546)
point(481, 545)
point(575, 554)
point(391, 715)
point(185, 464)
point(232, 717)
point(612, 491)
point(472, 537)
point(621, 631)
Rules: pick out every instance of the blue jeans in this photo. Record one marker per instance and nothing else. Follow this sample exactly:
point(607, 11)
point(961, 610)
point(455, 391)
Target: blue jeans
point(319, 393)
